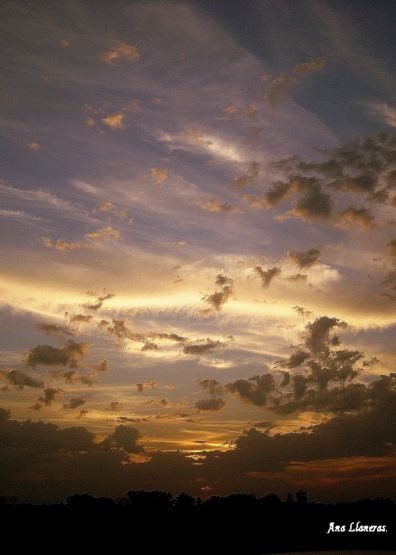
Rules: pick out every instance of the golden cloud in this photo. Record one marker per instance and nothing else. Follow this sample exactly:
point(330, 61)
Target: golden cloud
point(115, 121)
point(104, 232)
point(121, 50)
point(159, 175)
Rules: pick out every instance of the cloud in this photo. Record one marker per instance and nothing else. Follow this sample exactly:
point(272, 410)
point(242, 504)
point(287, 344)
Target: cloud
point(384, 112)
point(267, 275)
point(84, 187)
point(96, 304)
point(297, 278)
point(19, 379)
point(60, 245)
point(392, 249)
point(19, 215)
point(68, 355)
point(103, 233)
point(255, 390)
point(147, 384)
point(317, 334)
point(121, 51)
point(168, 336)
point(360, 216)
point(217, 299)
point(210, 404)
point(248, 177)
point(295, 359)
point(74, 402)
point(50, 395)
point(79, 318)
point(100, 366)
point(212, 385)
point(41, 197)
point(70, 376)
point(227, 112)
point(213, 205)
point(258, 460)
point(121, 330)
point(304, 259)
point(312, 205)
point(277, 193)
point(126, 438)
point(148, 346)
point(33, 146)
point(88, 379)
point(110, 208)
point(202, 348)
point(90, 121)
point(115, 121)
point(55, 329)
point(160, 175)
point(281, 86)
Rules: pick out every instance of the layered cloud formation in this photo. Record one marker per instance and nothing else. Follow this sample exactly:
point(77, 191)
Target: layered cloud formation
point(199, 248)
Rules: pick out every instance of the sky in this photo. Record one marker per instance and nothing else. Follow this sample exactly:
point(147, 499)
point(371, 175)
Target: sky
point(198, 254)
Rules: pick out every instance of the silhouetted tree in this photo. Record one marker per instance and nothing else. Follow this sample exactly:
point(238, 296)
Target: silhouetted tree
point(184, 503)
point(270, 501)
point(301, 496)
point(150, 501)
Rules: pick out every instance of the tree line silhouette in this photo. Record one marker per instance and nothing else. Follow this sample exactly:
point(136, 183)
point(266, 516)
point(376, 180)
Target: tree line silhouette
point(238, 523)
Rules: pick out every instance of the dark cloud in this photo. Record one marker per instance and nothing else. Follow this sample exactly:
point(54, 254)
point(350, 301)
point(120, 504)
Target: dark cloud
point(276, 194)
point(217, 299)
point(88, 379)
point(120, 329)
point(100, 299)
point(302, 311)
point(70, 376)
point(74, 402)
point(312, 205)
point(360, 216)
point(299, 386)
point(148, 346)
point(255, 390)
point(317, 334)
point(364, 167)
point(267, 275)
point(297, 278)
point(79, 318)
point(125, 438)
point(19, 379)
point(147, 384)
point(258, 461)
point(68, 355)
point(55, 329)
point(100, 366)
point(212, 385)
point(285, 379)
point(392, 249)
point(295, 359)
point(168, 336)
point(304, 259)
point(211, 403)
point(49, 395)
point(203, 347)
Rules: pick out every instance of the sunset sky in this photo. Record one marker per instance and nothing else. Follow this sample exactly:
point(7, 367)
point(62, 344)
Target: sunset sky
point(198, 247)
